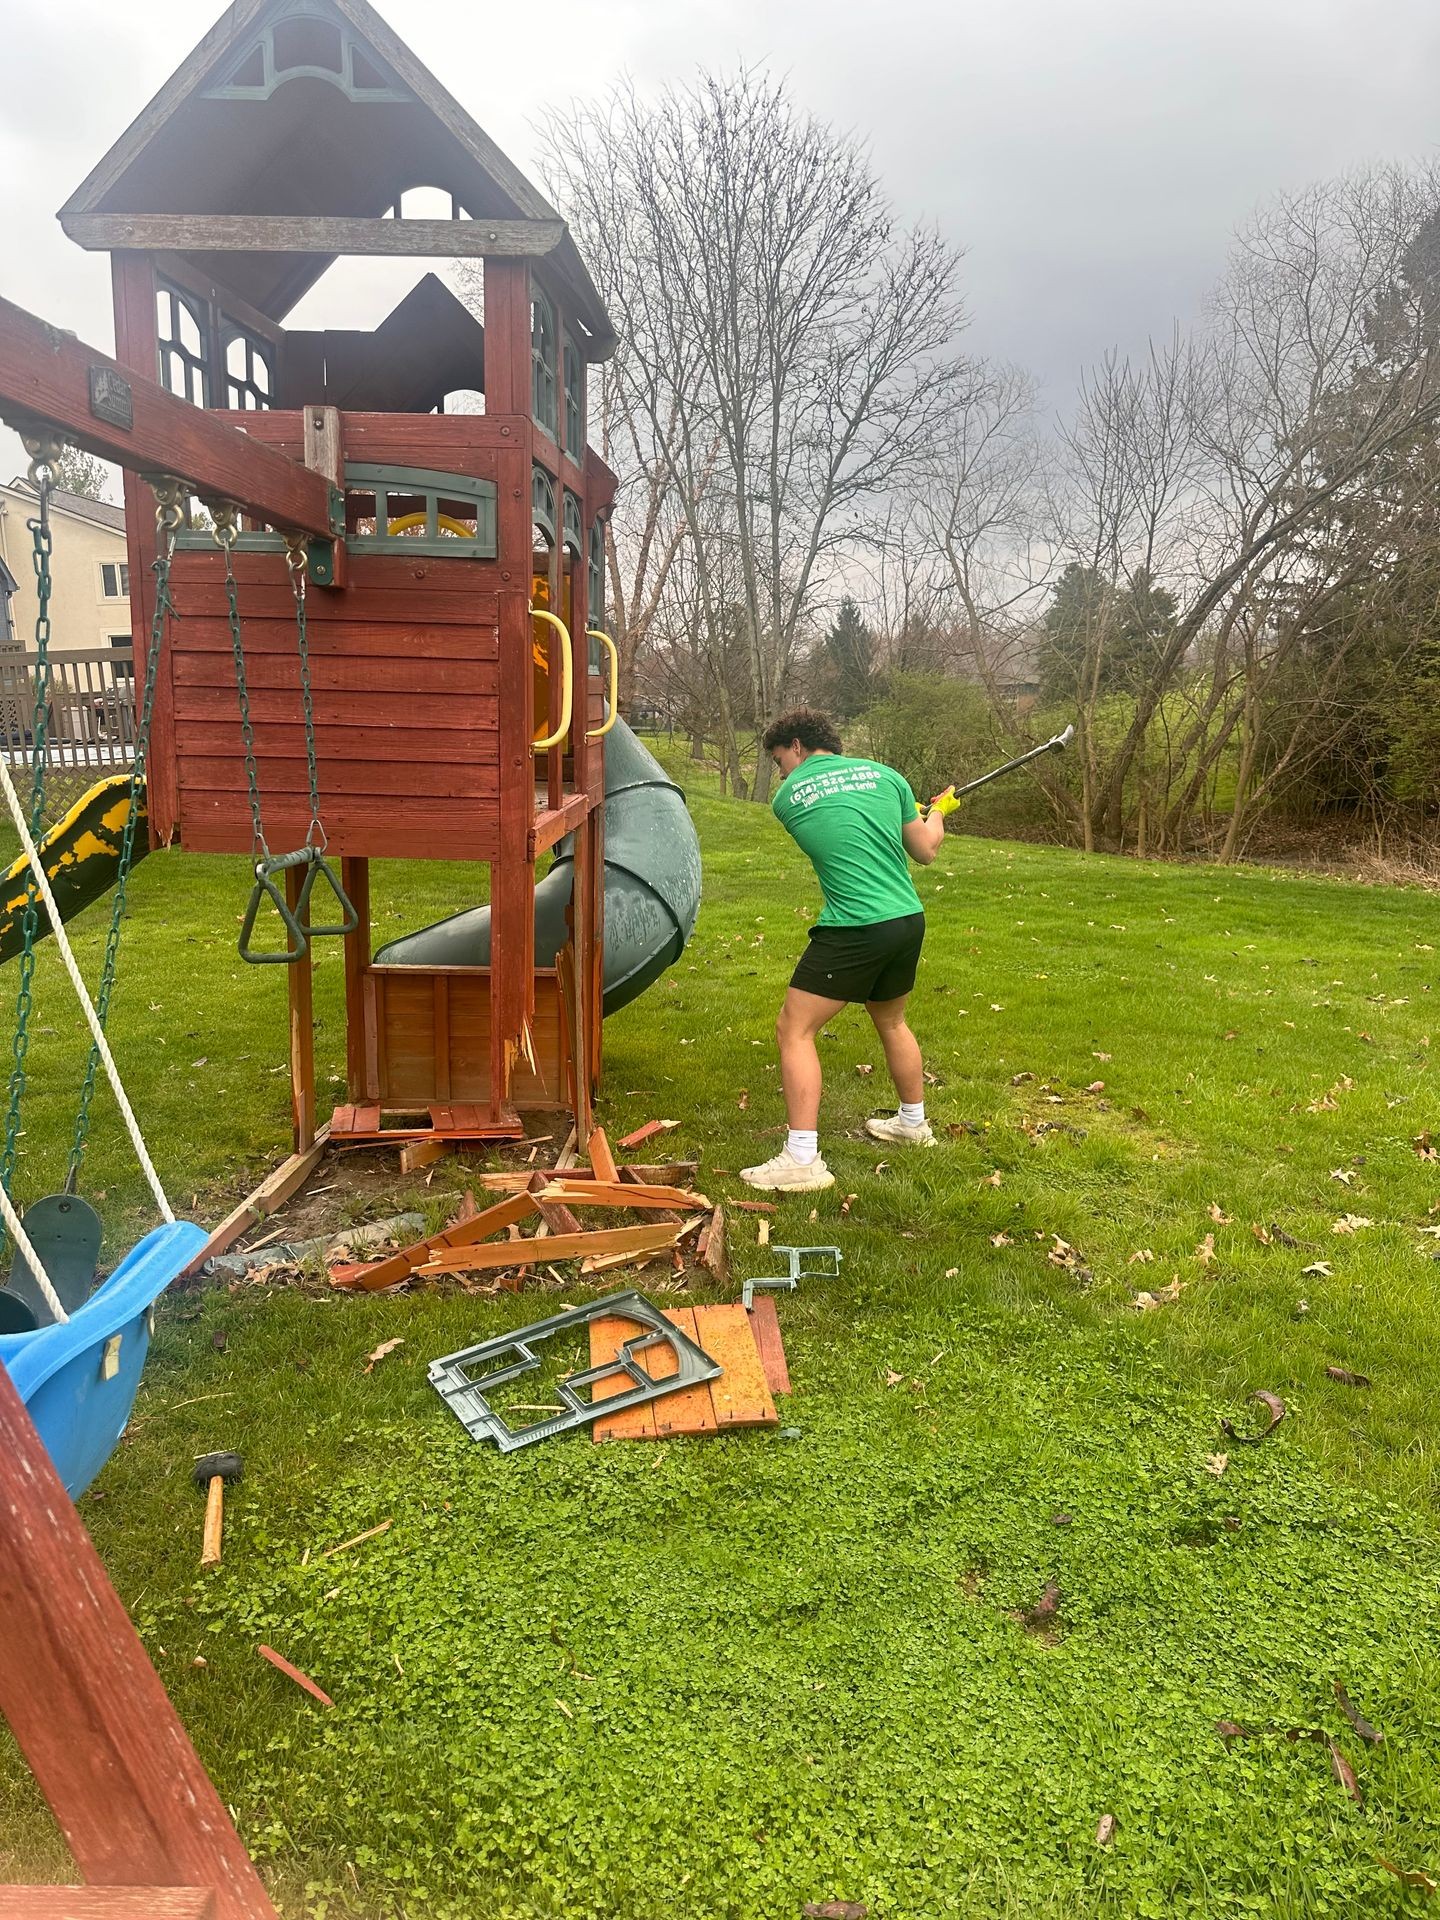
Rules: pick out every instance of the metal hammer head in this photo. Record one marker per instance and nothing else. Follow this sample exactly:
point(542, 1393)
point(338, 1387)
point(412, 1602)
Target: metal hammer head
point(1062, 740)
point(217, 1466)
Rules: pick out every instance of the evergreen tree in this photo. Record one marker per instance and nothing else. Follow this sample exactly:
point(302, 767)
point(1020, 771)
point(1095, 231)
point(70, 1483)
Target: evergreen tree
point(848, 666)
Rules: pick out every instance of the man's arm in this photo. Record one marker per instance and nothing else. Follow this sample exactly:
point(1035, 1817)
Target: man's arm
point(922, 837)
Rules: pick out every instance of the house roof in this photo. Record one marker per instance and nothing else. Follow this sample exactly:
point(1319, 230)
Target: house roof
point(264, 117)
point(79, 506)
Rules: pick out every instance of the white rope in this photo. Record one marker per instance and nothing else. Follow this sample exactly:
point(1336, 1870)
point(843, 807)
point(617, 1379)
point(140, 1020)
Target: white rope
point(20, 1240)
point(57, 927)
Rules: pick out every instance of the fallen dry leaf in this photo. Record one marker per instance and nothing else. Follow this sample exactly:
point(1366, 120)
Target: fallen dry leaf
point(1346, 1378)
point(1357, 1720)
point(1343, 1174)
point(847, 1203)
point(1205, 1252)
point(993, 1179)
point(1345, 1774)
point(1162, 1296)
point(1140, 1256)
point(1216, 1463)
point(1262, 1234)
point(1318, 1269)
point(1096, 1086)
point(1219, 1215)
point(1351, 1223)
point(1273, 1405)
point(893, 1379)
point(1100, 1056)
point(1232, 1730)
point(1408, 1876)
point(864, 1066)
point(744, 1100)
point(1423, 1146)
point(1019, 1079)
point(385, 1346)
point(950, 1272)
point(1105, 1831)
point(1001, 1240)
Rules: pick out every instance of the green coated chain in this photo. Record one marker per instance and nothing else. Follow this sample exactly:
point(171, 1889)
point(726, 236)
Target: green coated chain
point(169, 519)
point(44, 455)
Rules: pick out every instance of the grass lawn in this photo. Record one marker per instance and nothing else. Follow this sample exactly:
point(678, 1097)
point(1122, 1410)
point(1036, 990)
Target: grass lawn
point(727, 1677)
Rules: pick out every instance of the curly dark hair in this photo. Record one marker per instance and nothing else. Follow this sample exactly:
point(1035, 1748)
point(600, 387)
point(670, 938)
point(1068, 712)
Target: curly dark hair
point(815, 732)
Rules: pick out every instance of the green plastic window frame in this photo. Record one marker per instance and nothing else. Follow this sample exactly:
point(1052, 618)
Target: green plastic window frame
point(542, 358)
point(573, 368)
point(424, 483)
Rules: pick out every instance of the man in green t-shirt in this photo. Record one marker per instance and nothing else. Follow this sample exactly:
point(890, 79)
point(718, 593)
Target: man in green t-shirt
point(860, 826)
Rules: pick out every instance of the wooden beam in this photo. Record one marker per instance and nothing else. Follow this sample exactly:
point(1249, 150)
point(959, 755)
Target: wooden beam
point(87, 1708)
point(106, 1903)
point(312, 233)
point(555, 1246)
point(272, 1192)
point(50, 378)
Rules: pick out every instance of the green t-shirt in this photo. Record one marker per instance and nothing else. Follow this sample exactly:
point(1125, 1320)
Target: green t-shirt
point(846, 815)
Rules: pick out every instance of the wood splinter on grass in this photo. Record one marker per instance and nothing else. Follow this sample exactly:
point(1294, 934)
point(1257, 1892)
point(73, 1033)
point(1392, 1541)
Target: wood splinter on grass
point(294, 1673)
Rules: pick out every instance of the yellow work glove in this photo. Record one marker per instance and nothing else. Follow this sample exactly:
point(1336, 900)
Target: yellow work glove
point(944, 803)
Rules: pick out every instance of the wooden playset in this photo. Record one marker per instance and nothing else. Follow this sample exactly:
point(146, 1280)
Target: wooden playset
point(366, 582)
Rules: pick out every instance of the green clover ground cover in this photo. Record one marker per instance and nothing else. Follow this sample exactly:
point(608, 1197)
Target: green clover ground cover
point(728, 1677)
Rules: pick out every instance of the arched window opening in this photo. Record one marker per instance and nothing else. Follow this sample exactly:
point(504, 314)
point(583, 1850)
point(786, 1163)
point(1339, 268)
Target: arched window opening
point(542, 359)
point(574, 369)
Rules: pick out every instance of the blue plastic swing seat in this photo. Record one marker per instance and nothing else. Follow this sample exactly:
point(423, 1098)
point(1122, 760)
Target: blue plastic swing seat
point(77, 1383)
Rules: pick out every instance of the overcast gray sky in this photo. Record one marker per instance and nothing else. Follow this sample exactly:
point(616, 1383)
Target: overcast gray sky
point(1092, 156)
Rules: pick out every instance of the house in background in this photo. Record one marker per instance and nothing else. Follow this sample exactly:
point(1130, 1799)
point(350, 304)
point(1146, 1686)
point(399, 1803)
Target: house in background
point(89, 715)
point(89, 570)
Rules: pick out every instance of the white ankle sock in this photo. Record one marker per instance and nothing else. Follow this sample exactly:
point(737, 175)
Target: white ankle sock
point(912, 1112)
point(804, 1146)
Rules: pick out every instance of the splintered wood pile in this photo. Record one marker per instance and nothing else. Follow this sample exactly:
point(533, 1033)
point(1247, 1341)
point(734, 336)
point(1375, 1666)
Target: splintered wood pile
point(555, 1198)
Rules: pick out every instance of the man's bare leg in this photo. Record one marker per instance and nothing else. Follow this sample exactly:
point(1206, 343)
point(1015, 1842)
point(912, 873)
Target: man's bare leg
point(902, 1049)
point(907, 1070)
point(801, 1018)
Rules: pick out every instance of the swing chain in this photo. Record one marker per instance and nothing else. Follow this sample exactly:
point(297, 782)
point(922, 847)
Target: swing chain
point(226, 532)
point(44, 451)
point(297, 560)
point(170, 497)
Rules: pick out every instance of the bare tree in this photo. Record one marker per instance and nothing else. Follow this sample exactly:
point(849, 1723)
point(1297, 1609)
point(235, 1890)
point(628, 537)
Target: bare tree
point(786, 335)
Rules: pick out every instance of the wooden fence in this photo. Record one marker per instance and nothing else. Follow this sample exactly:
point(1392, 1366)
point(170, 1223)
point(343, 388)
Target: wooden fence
point(90, 714)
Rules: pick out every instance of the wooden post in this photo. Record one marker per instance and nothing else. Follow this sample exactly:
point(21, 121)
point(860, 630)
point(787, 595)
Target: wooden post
point(302, 1029)
point(87, 1708)
point(355, 878)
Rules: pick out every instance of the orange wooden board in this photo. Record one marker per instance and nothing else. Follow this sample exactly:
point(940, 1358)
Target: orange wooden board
point(739, 1397)
point(765, 1326)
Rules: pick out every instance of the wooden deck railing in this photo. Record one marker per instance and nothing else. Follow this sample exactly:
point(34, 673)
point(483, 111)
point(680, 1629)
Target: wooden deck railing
point(90, 716)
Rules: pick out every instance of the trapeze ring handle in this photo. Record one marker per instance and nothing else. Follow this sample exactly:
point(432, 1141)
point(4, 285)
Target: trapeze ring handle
point(567, 680)
point(266, 889)
point(599, 633)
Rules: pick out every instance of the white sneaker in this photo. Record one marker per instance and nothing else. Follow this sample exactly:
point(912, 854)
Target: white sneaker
point(786, 1174)
point(900, 1133)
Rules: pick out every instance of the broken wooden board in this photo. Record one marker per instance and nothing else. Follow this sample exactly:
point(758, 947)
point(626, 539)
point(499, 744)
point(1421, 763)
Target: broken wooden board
point(272, 1192)
point(740, 1397)
point(556, 1246)
point(602, 1160)
point(669, 1175)
point(399, 1266)
point(422, 1153)
point(620, 1193)
point(765, 1326)
point(648, 1132)
point(365, 1125)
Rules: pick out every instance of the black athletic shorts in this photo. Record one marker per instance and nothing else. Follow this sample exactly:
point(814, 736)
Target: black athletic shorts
point(876, 962)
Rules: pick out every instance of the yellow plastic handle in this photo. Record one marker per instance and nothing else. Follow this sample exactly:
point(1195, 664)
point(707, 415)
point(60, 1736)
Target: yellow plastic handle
point(598, 633)
point(567, 679)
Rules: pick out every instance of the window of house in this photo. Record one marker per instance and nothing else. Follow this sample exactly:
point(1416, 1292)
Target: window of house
point(574, 401)
point(542, 359)
point(121, 669)
point(115, 582)
point(597, 574)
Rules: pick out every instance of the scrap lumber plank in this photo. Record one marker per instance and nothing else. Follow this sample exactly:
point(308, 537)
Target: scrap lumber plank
point(648, 1132)
point(273, 1191)
point(765, 1326)
point(620, 1193)
point(740, 1395)
point(558, 1246)
point(691, 1410)
point(106, 1903)
point(550, 1201)
point(567, 1155)
point(514, 1180)
point(601, 1158)
point(399, 1266)
point(607, 1336)
point(422, 1153)
point(716, 1255)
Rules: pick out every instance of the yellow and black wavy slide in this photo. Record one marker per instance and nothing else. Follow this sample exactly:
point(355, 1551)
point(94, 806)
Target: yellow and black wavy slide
point(82, 858)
